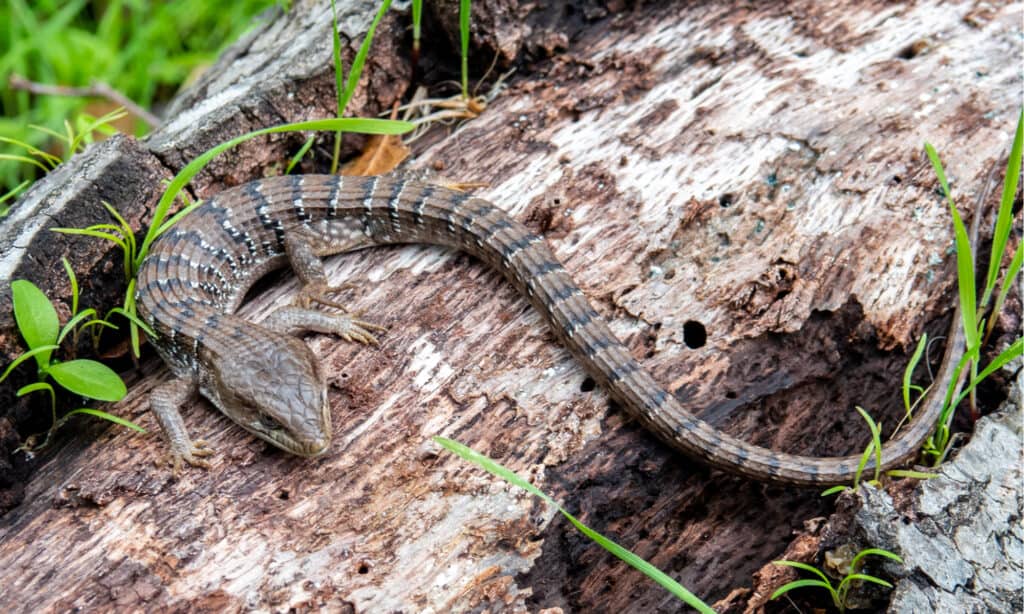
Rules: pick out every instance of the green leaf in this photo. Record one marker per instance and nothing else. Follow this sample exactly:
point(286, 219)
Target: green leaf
point(107, 416)
point(36, 317)
point(833, 490)
point(630, 558)
point(89, 378)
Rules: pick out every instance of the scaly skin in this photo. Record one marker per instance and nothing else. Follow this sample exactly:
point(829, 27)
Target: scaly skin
point(199, 271)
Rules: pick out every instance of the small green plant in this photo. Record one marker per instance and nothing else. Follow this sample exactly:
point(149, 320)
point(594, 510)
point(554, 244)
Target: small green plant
point(874, 449)
point(74, 139)
point(652, 572)
point(39, 326)
point(838, 593)
point(976, 325)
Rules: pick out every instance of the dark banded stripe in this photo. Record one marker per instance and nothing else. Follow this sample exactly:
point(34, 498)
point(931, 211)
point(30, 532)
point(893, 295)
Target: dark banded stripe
point(396, 192)
point(577, 322)
point(495, 228)
point(332, 197)
point(513, 248)
point(297, 202)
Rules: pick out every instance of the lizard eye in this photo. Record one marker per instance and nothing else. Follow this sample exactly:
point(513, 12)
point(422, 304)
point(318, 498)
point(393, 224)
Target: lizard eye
point(269, 423)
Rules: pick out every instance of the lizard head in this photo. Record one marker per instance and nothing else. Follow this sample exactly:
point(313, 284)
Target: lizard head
point(277, 394)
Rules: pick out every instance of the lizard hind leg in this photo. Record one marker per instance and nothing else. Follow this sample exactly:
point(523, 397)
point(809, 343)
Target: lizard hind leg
point(294, 320)
point(304, 253)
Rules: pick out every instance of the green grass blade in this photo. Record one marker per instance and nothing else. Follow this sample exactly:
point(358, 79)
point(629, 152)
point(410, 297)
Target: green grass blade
point(134, 319)
point(177, 216)
point(785, 588)
point(964, 259)
point(1007, 283)
point(908, 473)
point(640, 565)
point(37, 386)
point(805, 567)
point(25, 356)
point(357, 63)
point(833, 490)
point(1015, 350)
point(88, 232)
point(107, 416)
point(417, 18)
point(874, 552)
point(73, 280)
point(874, 447)
point(299, 155)
point(1004, 218)
point(339, 84)
point(652, 572)
point(26, 160)
point(909, 371)
point(70, 326)
point(864, 577)
point(464, 13)
point(13, 193)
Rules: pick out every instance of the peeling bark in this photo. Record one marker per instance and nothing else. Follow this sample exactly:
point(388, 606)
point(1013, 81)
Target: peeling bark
point(754, 171)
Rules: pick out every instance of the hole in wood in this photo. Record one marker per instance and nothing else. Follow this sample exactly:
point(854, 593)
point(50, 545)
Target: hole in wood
point(694, 334)
point(588, 384)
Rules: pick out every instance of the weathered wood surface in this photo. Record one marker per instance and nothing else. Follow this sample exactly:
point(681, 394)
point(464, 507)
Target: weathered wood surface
point(753, 169)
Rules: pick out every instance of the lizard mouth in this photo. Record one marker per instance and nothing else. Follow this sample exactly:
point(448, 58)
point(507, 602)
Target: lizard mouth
point(314, 447)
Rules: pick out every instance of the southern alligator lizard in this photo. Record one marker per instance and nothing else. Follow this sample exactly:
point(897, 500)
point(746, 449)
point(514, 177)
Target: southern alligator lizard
point(268, 381)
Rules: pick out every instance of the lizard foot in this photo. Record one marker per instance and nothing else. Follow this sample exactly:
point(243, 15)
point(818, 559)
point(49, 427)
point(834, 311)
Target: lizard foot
point(193, 454)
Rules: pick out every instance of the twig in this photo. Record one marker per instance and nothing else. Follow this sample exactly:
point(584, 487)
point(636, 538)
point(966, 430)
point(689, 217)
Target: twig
point(95, 89)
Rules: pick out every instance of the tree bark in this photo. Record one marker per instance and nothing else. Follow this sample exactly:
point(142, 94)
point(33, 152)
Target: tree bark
point(740, 189)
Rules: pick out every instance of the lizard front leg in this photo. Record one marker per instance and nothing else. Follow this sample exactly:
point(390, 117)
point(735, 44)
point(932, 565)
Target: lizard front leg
point(165, 401)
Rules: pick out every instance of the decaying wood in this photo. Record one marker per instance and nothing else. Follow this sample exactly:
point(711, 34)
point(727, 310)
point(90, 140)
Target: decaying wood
point(753, 172)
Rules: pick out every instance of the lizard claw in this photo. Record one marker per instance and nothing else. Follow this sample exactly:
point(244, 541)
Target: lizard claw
point(354, 329)
point(193, 455)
